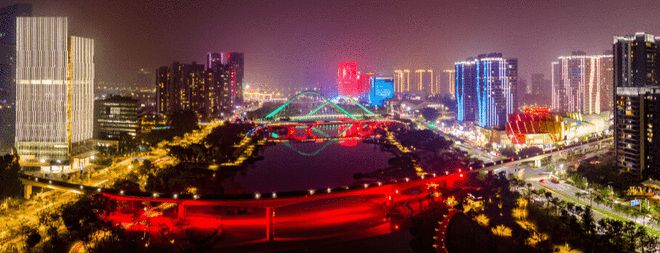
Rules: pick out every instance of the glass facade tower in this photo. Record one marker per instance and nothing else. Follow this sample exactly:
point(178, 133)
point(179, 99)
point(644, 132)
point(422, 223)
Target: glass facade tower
point(55, 92)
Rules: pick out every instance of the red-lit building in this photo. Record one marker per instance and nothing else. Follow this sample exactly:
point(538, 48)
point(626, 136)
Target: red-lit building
point(350, 82)
point(535, 126)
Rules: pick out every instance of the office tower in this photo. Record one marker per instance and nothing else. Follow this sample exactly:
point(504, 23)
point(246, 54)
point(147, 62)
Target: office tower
point(382, 89)
point(347, 79)
point(116, 118)
point(54, 96)
point(486, 88)
point(540, 91)
point(607, 76)
point(364, 85)
point(449, 82)
point(180, 87)
point(579, 82)
point(637, 104)
point(222, 99)
point(8, 71)
point(466, 90)
point(207, 92)
point(237, 61)
point(497, 79)
point(424, 82)
point(401, 81)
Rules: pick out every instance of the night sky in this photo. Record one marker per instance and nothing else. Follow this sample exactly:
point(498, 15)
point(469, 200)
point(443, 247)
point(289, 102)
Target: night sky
point(294, 43)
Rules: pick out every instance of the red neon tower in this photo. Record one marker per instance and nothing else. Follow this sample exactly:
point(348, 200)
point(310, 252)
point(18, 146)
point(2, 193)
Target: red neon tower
point(348, 79)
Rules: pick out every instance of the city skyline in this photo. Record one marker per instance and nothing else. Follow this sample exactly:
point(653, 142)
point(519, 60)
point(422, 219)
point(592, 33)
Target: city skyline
point(305, 49)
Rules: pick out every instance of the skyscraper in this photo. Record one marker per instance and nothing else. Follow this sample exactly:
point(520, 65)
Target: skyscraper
point(637, 104)
point(382, 89)
point(8, 71)
point(449, 82)
point(401, 81)
point(424, 82)
point(237, 61)
point(579, 82)
point(116, 118)
point(486, 89)
point(466, 90)
point(347, 79)
point(55, 94)
point(497, 85)
point(207, 92)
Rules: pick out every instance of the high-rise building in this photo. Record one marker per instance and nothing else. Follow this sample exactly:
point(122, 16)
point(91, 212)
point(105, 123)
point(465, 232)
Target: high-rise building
point(486, 89)
point(382, 89)
point(540, 90)
point(8, 71)
point(401, 81)
point(236, 61)
point(424, 81)
point(347, 79)
point(497, 80)
point(181, 88)
point(579, 82)
point(208, 92)
point(448, 82)
point(637, 104)
point(466, 90)
point(607, 76)
point(54, 94)
point(116, 118)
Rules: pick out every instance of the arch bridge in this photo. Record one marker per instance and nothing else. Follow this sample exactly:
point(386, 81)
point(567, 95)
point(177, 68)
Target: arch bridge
point(314, 113)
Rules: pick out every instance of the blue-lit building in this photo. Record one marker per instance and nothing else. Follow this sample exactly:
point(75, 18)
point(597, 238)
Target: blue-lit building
point(466, 90)
point(382, 89)
point(486, 89)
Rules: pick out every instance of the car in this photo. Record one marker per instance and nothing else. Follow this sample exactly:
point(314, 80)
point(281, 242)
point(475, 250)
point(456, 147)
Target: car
point(541, 180)
point(554, 181)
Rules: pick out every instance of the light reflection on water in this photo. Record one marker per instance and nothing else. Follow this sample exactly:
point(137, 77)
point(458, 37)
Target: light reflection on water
point(301, 166)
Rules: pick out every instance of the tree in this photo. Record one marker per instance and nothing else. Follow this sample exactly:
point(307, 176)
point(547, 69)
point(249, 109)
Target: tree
point(9, 169)
point(530, 151)
point(183, 122)
point(33, 238)
point(429, 114)
point(508, 152)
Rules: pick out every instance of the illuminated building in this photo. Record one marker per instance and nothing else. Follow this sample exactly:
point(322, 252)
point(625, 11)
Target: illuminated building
point(8, 71)
point(116, 118)
point(535, 126)
point(401, 81)
point(424, 82)
point(382, 89)
point(54, 94)
point(181, 87)
point(236, 61)
point(487, 84)
point(347, 79)
point(496, 89)
point(364, 85)
point(637, 104)
point(580, 83)
point(152, 121)
point(466, 90)
point(207, 92)
point(449, 81)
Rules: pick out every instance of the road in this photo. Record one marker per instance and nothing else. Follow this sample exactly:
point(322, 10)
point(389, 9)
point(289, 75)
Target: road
point(27, 214)
point(569, 193)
